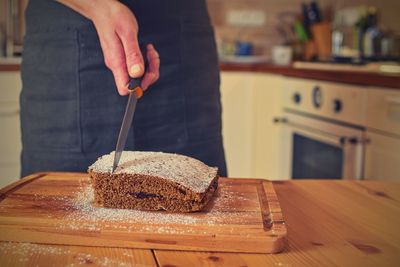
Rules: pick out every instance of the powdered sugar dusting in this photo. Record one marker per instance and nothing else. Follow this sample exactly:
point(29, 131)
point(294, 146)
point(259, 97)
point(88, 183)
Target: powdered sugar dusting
point(83, 203)
point(186, 171)
point(82, 215)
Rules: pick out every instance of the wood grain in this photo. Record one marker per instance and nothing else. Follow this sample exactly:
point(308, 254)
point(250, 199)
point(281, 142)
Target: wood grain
point(244, 216)
point(26, 254)
point(330, 223)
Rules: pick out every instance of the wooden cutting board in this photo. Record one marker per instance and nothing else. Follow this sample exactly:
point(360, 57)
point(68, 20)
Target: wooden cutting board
point(56, 208)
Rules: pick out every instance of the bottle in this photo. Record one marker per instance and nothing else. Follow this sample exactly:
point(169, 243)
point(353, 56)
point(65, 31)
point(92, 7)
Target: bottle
point(359, 32)
point(306, 21)
point(372, 35)
point(314, 12)
point(311, 15)
point(337, 38)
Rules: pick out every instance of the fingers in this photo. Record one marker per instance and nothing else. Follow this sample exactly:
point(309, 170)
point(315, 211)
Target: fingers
point(134, 59)
point(127, 31)
point(153, 72)
point(123, 56)
point(117, 29)
point(114, 58)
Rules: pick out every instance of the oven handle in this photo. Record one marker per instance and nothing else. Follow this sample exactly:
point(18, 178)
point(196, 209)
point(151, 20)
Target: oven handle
point(337, 141)
point(321, 137)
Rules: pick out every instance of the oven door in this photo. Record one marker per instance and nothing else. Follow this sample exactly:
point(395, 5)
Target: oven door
point(314, 148)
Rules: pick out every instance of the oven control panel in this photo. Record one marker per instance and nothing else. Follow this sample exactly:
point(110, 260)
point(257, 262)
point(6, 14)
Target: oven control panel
point(341, 102)
point(317, 97)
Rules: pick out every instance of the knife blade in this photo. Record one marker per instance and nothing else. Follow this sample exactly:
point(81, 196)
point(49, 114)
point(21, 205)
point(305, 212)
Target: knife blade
point(135, 93)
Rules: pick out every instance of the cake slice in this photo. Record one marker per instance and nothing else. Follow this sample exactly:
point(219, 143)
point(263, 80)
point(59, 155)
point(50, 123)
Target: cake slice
point(153, 181)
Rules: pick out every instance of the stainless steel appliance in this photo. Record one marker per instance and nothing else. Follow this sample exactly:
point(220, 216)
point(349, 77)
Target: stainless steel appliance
point(323, 132)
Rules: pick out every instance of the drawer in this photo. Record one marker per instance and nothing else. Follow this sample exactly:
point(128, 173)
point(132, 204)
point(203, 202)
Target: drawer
point(383, 110)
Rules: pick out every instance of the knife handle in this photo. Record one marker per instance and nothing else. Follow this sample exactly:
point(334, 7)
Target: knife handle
point(135, 84)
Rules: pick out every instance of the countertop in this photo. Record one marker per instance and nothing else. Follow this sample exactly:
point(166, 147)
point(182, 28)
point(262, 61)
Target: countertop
point(345, 76)
point(330, 223)
point(10, 63)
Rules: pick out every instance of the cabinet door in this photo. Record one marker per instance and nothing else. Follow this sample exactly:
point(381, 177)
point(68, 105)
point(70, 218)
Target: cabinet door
point(252, 141)
point(267, 135)
point(10, 86)
point(10, 135)
point(382, 157)
point(383, 110)
point(237, 116)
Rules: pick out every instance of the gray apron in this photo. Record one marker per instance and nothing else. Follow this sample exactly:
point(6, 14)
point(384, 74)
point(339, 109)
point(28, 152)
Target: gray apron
point(71, 112)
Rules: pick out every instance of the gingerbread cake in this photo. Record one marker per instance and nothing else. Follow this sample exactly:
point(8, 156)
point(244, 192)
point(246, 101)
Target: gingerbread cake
point(153, 181)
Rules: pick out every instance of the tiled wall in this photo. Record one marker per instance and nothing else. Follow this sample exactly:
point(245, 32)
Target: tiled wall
point(281, 13)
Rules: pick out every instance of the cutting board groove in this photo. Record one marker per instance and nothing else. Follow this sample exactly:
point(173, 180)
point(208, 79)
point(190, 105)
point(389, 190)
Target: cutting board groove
point(55, 208)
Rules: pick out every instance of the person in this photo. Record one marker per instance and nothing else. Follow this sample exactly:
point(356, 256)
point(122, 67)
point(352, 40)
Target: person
point(77, 59)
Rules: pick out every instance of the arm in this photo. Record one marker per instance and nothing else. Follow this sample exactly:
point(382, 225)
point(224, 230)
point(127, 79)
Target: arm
point(117, 28)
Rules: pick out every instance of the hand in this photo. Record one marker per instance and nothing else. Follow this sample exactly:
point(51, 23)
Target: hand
point(117, 28)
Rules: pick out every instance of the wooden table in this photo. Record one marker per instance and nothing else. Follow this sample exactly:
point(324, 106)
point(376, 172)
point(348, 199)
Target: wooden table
point(330, 223)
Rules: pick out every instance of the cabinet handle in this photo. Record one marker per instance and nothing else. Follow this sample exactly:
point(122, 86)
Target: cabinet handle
point(279, 120)
point(319, 136)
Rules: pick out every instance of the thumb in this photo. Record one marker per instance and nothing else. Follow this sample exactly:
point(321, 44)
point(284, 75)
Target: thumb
point(134, 58)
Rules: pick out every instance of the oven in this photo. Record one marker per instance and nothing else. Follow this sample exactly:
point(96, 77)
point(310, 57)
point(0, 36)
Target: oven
point(314, 148)
point(323, 133)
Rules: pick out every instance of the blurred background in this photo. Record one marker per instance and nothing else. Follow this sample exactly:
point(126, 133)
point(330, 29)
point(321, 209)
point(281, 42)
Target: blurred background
point(310, 89)
point(313, 29)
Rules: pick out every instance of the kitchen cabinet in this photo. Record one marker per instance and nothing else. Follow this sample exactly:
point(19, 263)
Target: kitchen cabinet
point(383, 110)
point(250, 101)
point(255, 146)
point(10, 134)
point(382, 153)
point(382, 157)
point(237, 121)
point(267, 135)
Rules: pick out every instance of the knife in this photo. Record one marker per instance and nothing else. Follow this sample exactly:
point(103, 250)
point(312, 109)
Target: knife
point(135, 93)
